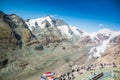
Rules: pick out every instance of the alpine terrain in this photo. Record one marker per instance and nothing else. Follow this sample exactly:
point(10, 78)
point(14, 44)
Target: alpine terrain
point(34, 46)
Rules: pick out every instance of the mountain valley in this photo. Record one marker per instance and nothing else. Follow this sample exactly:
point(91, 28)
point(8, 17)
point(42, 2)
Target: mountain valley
point(34, 46)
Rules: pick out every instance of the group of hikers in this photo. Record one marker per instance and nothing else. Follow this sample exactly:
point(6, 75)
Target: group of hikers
point(67, 76)
point(76, 68)
point(52, 76)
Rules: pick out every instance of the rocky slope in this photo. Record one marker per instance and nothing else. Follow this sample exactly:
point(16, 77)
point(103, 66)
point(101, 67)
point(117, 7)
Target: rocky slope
point(112, 54)
point(14, 34)
point(14, 37)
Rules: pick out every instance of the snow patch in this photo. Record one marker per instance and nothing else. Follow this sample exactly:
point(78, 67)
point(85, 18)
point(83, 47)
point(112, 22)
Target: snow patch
point(104, 31)
point(39, 21)
point(64, 29)
point(99, 50)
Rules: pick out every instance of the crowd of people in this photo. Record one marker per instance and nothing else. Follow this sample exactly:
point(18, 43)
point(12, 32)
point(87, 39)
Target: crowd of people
point(76, 68)
point(52, 76)
point(67, 76)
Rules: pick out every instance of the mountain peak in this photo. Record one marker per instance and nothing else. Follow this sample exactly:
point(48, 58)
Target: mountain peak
point(49, 18)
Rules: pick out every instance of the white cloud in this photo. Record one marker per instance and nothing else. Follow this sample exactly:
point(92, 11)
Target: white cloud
point(101, 25)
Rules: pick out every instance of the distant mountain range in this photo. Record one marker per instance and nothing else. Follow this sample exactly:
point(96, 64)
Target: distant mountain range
point(65, 30)
point(101, 38)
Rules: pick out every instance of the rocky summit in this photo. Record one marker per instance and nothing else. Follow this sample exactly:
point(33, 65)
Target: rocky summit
point(34, 46)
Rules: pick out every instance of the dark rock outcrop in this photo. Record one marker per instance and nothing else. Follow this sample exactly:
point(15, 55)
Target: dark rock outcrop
point(14, 35)
point(3, 63)
point(39, 48)
point(13, 31)
point(60, 22)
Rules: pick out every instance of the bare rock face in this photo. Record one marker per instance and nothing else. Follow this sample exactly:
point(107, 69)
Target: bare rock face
point(85, 41)
point(46, 23)
point(39, 48)
point(7, 35)
point(60, 22)
point(115, 40)
point(19, 27)
point(102, 37)
point(112, 54)
point(13, 31)
point(3, 63)
point(14, 34)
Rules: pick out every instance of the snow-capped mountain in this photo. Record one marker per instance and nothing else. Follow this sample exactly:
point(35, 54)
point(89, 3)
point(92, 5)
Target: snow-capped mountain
point(40, 21)
point(101, 38)
point(101, 35)
point(67, 31)
point(70, 31)
point(104, 39)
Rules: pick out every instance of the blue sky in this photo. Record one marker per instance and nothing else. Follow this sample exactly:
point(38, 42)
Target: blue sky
point(88, 15)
